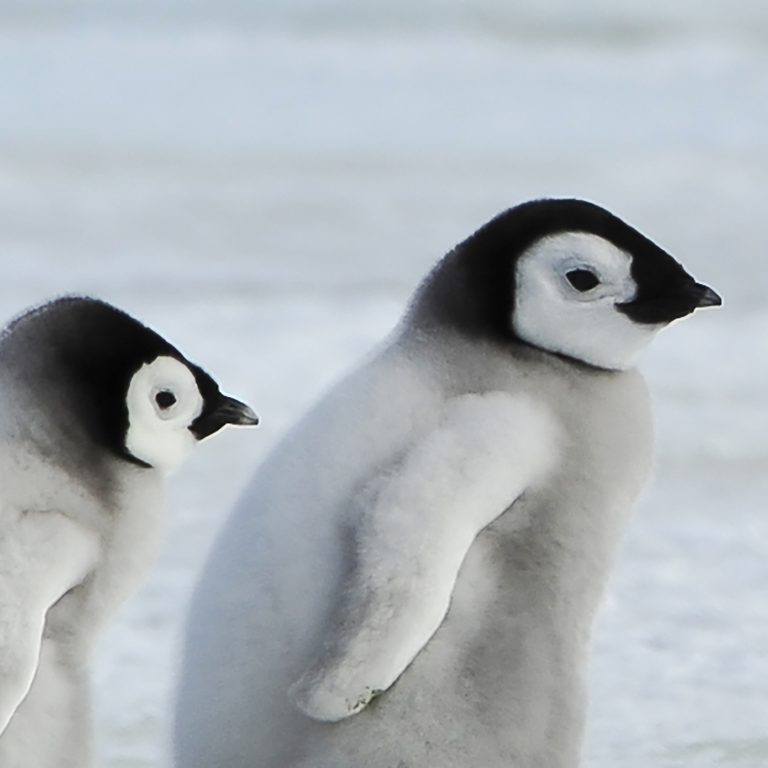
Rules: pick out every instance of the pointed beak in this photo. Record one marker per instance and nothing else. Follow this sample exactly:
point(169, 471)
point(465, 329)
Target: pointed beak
point(705, 296)
point(234, 412)
point(225, 410)
point(679, 301)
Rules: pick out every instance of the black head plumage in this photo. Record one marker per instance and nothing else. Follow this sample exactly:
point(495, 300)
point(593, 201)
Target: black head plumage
point(472, 287)
point(76, 356)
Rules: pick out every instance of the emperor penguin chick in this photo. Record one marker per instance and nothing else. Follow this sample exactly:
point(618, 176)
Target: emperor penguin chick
point(94, 409)
point(411, 578)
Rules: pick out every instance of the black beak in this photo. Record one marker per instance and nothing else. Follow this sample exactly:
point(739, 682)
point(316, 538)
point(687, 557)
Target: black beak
point(668, 306)
point(705, 296)
point(235, 412)
point(225, 410)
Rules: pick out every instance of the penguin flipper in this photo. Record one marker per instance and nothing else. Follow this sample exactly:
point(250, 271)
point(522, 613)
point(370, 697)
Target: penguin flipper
point(42, 556)
point(416, 523)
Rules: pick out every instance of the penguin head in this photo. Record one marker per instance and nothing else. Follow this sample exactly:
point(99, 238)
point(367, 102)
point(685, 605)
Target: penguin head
point(565, 276)
point(99, 374)
point(580, 295)
point(171, 404)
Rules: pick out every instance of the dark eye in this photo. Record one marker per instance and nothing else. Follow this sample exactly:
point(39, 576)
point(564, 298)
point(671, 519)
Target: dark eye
point(165, 399)
point(582, 279)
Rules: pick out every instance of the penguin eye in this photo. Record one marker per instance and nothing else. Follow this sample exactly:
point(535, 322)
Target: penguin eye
point(165, 399)
point(582, 279)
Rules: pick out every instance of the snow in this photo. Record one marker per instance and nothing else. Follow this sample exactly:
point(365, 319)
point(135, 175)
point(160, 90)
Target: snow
point(267, 187)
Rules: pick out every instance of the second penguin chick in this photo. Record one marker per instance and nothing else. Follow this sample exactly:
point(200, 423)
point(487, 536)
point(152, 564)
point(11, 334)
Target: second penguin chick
point(94, 409)
point(411, 578)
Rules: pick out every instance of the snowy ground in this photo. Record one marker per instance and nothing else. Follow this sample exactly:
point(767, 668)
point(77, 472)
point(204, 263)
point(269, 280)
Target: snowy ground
point(267, 195)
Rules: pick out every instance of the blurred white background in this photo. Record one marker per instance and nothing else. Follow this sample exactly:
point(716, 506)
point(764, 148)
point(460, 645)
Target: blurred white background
point(266, 181)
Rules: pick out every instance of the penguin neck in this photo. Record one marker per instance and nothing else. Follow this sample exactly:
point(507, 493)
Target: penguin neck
point(471, 362)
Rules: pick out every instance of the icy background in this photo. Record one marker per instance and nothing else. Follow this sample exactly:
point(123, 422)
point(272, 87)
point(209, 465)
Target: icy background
point(265, 182)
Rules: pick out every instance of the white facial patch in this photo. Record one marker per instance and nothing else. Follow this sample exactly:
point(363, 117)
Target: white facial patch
point(567, 289)
point(163, 400)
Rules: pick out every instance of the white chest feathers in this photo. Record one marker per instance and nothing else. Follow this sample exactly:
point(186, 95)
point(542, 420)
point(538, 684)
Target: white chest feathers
point(567, 288)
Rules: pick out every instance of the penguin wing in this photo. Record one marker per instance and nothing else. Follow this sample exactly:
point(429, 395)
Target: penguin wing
point(412, 529)
point(42, 556)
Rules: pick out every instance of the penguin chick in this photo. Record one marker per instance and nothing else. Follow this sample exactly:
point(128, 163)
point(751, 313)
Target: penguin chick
point(444, 519)
point(94, 409)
